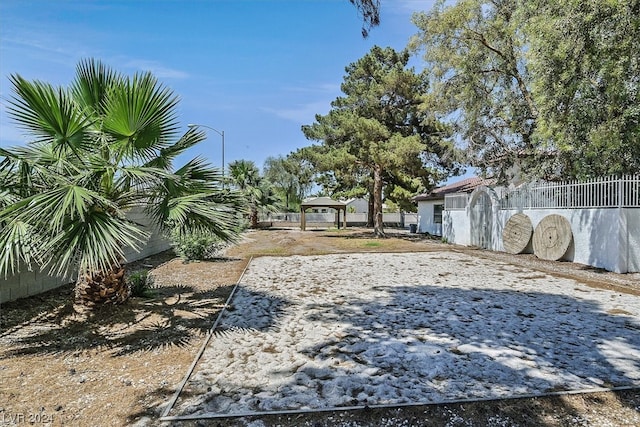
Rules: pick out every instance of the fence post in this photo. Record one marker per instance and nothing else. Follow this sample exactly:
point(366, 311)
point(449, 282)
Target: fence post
point(623, 231)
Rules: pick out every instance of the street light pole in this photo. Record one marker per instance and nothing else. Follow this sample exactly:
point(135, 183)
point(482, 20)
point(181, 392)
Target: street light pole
point(221, 133)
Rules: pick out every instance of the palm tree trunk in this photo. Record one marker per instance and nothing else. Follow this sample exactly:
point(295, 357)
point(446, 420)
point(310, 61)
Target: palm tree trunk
point(102, 288)
point(253, 217)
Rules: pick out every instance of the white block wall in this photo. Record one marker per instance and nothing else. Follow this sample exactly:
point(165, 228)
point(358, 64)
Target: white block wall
point(606, 238)
point(456, 227)
point(28, 283)
point(633, 228)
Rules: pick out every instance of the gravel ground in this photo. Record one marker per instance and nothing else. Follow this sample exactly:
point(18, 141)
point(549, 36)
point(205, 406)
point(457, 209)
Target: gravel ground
point(360, 330)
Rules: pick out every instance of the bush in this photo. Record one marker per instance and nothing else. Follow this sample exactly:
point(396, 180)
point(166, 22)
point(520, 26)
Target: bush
point(197, 246)
point(140, 283)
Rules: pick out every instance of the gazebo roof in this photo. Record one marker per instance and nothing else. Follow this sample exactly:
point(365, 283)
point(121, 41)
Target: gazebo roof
point(323, 202)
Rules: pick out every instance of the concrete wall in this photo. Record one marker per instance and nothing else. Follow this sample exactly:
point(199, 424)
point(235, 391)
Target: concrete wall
point(393, 219)
point(633, 230)
point(606, 238)
point(425, 217)
point(596, 235)
point(28, 283)
point(456, 227)
point(155, 244)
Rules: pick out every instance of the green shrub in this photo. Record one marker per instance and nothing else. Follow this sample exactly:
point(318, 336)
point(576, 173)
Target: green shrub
point(194, 247)
point(141, 283)
point(243, 225)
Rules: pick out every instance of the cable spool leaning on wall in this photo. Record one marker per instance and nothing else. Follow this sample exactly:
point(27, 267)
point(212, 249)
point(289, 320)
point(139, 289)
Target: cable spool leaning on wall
point(517, 233)
point(552, 237)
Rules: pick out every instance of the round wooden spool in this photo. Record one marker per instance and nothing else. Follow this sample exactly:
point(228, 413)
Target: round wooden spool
point(552, 237)
point(517, 233)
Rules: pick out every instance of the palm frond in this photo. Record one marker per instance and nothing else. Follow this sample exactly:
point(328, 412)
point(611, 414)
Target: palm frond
point(164, 159)
point(140, 114)
point(92, 83)
point(34, 168)
point(19, 242)
point(7, 198)
point(49, 114)
point(92, 245)
point(102, 146)
point(198, 171)
point(196, 214)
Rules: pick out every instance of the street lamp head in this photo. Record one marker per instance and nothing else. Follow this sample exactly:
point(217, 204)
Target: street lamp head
point(219, 132)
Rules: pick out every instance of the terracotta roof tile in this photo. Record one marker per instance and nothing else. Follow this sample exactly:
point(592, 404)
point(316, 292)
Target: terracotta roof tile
point(464, 186)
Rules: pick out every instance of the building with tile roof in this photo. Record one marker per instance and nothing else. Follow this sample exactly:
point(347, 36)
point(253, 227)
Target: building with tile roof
point(431, 204)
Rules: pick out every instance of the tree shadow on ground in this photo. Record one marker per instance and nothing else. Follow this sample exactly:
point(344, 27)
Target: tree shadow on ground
point(173, 317)
point(497, 327)
point(418, 344)
point(265, 309)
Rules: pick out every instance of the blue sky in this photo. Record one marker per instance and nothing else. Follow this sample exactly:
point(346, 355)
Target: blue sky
point(256, 69)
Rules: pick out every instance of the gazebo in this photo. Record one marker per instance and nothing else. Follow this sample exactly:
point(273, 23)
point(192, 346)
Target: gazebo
point(323, 202)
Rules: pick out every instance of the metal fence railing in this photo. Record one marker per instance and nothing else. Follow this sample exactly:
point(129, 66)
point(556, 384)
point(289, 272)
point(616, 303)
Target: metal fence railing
point(605, 192)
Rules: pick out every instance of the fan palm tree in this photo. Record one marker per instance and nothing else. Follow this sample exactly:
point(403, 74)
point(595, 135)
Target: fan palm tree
point(101, 147)
point(259, 193)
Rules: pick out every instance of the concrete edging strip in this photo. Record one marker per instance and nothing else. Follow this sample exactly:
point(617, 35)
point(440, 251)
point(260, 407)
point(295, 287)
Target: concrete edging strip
point(397, 405)
point(175, 396)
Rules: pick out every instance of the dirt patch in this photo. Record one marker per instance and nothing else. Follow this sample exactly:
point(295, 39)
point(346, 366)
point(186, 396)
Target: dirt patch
point(119, 365)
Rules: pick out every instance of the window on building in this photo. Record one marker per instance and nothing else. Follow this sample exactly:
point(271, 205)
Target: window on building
point(437, 214)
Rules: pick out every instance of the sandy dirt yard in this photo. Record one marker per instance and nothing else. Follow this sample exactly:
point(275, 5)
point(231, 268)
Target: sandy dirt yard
point(121, 365)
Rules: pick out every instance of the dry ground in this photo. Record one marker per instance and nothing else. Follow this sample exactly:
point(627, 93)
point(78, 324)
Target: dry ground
point(118, 365)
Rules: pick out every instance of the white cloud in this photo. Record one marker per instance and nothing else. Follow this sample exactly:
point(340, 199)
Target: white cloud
point(303, 114)
point(305, 101)
point(157, 69)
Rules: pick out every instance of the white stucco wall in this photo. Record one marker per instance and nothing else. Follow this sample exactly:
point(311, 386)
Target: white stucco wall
point(606, 238)
point(596, 236)
point(456, 227)
point(425, 217)
point(633, 230)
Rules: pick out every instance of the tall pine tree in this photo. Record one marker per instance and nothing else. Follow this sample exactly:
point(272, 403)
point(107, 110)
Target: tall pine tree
point(379, 129)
